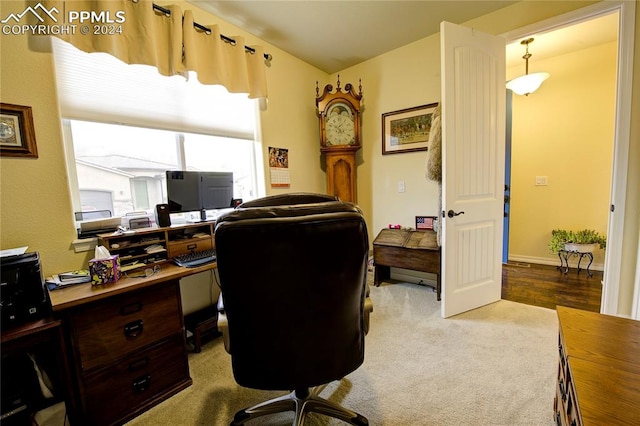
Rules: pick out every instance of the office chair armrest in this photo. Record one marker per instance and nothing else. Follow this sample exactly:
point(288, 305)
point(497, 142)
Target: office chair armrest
point(368, 308)
point(223, 325)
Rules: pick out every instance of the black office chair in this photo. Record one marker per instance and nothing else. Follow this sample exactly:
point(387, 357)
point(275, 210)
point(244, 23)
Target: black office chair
point(294, 306)
point(289, 199)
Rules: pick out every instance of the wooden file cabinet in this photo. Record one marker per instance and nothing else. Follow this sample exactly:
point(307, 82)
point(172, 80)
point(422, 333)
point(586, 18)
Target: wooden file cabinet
point(598, 370)
point(128, 347)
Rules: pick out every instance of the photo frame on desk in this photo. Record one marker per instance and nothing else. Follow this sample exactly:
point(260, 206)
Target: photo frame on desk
point(17, 133)
point(425, 223)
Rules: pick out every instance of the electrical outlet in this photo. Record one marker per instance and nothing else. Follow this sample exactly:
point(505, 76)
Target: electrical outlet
point(401, 186)
point(541, 181)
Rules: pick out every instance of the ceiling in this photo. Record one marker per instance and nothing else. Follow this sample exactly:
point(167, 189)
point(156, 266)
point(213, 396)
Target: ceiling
point(335, 35)
point(599, 30)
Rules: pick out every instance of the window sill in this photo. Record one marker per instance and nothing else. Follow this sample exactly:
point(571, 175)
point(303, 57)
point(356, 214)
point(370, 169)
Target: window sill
point(84, 244)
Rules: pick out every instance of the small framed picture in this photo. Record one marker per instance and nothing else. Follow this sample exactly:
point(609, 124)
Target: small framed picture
point(17, 134)
point(407, 130)
point(425, 223)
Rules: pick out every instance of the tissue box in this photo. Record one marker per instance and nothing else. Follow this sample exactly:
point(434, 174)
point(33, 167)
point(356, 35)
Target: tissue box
point(105, 270)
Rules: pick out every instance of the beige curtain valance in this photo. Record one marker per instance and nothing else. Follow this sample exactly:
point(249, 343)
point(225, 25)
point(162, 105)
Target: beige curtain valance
point(170, 42)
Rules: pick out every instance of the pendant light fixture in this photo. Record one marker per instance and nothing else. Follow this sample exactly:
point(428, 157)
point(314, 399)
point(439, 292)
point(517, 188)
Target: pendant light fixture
point(527, 83)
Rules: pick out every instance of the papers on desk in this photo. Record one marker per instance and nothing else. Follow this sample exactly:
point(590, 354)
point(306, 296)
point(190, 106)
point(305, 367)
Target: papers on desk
point(13, 252)
point(79, 275)
point(155, 248)
point(129, 266)
point(68, 278)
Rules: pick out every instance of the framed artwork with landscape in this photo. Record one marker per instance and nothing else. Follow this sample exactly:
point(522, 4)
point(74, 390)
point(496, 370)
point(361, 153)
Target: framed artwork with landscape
point(17, 134)
point(407, 130)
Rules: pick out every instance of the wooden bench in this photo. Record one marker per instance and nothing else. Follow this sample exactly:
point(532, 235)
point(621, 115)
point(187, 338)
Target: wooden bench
point(401, 248)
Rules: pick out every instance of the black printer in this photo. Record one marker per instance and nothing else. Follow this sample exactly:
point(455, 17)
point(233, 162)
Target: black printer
point(23, 296)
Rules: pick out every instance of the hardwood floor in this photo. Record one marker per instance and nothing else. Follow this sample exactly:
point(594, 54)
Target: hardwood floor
point(547, 286)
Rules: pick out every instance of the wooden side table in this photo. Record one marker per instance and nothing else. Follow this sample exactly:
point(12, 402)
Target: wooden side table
point(24, 338)
point(401, 248)
point(564, 256)
point(204, 321)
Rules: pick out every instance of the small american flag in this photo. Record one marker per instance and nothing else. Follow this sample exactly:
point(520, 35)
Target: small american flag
point(424, 222)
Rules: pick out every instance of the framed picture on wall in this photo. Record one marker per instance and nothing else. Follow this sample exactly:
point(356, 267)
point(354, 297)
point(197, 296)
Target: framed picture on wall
point(17, 134)
point(407, 130)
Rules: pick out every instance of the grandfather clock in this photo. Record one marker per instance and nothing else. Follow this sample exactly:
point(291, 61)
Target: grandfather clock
point(339, 115)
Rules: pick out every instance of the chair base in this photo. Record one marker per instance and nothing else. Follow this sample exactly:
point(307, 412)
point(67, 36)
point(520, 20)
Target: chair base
point(301, 402)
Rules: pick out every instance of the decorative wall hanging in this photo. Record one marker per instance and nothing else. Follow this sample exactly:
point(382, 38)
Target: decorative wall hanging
point(407, 130)
point(279, 167)
point(17, 134)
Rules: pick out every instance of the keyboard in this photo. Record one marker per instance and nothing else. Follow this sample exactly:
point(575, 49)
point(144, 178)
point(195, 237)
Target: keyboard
point(196, 258)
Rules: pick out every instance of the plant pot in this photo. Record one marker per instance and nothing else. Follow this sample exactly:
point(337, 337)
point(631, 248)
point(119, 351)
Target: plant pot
point(580, 248)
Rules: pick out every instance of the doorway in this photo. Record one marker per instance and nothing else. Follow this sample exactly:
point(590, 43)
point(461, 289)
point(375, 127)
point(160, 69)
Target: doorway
point(621, 128)
point(563, 138)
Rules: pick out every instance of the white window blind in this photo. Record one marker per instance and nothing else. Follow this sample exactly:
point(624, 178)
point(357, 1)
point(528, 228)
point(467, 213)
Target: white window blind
point(99, 87)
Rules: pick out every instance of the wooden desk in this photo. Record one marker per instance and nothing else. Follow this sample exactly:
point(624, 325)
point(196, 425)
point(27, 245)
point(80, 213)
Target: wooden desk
point(126, 344)
point(401, 248)
point(598, 369)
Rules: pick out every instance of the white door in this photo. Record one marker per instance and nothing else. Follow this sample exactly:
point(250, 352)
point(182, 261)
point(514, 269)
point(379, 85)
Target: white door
point(473, 138)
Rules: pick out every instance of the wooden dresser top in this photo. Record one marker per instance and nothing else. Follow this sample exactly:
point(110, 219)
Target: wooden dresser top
point(79, 294)
point(603, 339)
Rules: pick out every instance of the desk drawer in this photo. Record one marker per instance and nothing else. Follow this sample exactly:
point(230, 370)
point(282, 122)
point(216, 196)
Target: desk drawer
point(109, 329)
point(112, 392)
point(184, 247)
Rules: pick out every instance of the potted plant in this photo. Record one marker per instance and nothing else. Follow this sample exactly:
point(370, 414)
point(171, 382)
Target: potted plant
point(583, 241)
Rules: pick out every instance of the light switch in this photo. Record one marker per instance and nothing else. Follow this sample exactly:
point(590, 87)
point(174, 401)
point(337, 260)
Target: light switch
point(541, 181)
point(400, 186)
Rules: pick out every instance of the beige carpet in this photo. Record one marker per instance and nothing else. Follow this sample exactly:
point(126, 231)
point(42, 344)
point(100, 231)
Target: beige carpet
point(492, 366)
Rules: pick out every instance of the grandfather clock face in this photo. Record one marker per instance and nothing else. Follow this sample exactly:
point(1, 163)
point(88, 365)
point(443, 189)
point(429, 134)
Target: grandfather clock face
point(339, 116)
point(340, 125)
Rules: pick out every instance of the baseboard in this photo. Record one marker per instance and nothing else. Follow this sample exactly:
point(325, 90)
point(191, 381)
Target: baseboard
point(418, 277)
point(573, 262)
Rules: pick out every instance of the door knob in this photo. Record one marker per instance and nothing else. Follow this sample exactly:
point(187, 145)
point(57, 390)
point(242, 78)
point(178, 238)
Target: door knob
point(451, 213)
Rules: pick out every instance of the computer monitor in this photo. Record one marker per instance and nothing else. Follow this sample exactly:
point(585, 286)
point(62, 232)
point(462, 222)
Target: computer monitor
point(216, 190)
point(189, 191)
point(183, 191)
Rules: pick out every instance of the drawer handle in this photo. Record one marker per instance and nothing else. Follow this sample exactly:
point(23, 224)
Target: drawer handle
point(558, 419)
point(563, 392)
point(141, 384)
point(192, 246)
point(133, 329)
point(140, 364)
point(131, 308)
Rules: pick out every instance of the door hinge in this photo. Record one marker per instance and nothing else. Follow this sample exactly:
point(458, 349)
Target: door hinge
point(612, 208)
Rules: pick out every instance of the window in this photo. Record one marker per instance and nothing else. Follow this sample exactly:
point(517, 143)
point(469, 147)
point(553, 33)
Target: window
point(163, 123)
point(140, 191)
point(122, 168)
